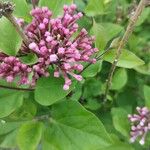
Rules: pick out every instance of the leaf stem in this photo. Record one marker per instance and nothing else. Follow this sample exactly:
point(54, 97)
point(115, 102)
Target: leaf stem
point(16, 88)
point(122, 43)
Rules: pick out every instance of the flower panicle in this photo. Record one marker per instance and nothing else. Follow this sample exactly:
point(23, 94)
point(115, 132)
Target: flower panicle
point(57, 42)
point(140, 124)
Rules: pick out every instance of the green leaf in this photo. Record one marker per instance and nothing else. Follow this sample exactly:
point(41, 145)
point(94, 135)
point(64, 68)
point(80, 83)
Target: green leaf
point(56, 6)
point(9, 101)
point(119, 79)
point(74, 128)
point(22, 10)
point(10, 41)
point(94, 7)
point(50, 90)
point(126, 60)
point(9, 140)
point(92, 70)
point(29, 59)
point(120, 121)
point(147, 95)
point(29, 136)
point(7, 127)
point(119, 147)
point(145, 14)
point(101, 35)
point(104, 32)
point(144, 69)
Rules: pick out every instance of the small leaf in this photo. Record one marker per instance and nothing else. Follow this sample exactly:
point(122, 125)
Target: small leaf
point(92, 70)
point(119, 79)
point(10, 41)
point(50, 90)
point(145, 14)
point(9, 101)
point(29, 59)
point(147, 95)
point(29, 136)
point(126, 60)
point(22, 10)
point(120, 121)
point(101, 35)
point(73, 127)
point(94, 7)
point(56, 6)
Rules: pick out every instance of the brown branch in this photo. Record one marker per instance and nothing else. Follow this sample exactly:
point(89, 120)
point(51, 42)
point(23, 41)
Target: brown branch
point(122, 43)
point(16, 88)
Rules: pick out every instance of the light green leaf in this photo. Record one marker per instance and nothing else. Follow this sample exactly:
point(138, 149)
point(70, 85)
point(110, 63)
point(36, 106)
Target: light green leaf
point(9, 101)
point(9, 140)
point(101, 35)
point(104, 32)
point(145, 14)
point(94, 7)
point(119, 79)
point(7, 127)
point(72, 127)
point(120, 121)
point(29, 136)
point(22, 10)
point(56, 6)
point(144, 69)
point(29, 59)
point(126, 60)
point(50, 90)
point(10, 41)
point(92, 70)
point(147, 95)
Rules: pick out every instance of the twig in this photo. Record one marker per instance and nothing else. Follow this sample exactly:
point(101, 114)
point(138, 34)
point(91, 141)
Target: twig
point(123, 41)
point(16, 88)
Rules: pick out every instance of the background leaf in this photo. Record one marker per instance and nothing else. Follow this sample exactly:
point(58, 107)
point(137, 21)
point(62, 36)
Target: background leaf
point(29, 136)
point(9, 101)
point(126, 60)
point(10, 41)
point(72, 127)
point(56, 6)
point(147, 95)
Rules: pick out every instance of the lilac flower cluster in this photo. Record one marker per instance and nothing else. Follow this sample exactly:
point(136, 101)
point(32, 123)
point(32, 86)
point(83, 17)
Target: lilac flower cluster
point(56, 43)
point(140, 124)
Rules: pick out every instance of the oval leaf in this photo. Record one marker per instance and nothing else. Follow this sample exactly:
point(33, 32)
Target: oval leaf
point(29, 136)
point(50, 90)
point(10, 41)
point(73, 127)
point(9, 101)
point(126, 60)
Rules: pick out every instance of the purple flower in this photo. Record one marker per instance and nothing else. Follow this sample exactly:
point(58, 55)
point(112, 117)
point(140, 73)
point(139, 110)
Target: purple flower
point(57, 43)
point(140, 124)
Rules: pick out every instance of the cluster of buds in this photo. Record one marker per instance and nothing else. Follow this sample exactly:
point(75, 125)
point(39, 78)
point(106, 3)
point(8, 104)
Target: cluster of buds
point(11, 67)
point(140, 124)
point(56, 43)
